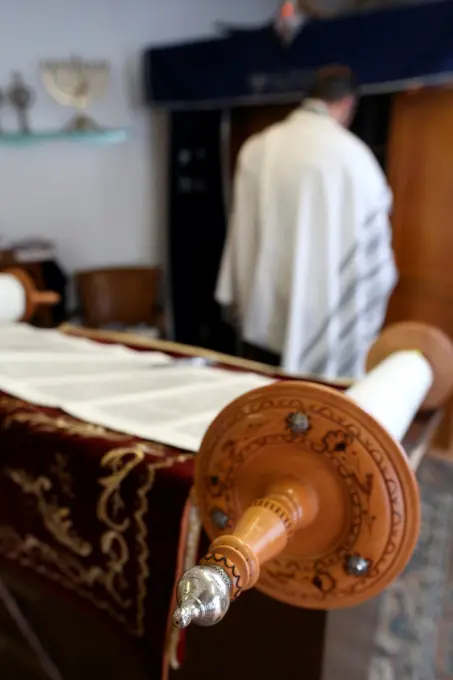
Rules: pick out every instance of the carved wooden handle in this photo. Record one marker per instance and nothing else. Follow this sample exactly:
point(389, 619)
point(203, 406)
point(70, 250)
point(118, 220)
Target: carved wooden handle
point(320, 499)
point(34, 297)
point(45, 297)
point(262, 533)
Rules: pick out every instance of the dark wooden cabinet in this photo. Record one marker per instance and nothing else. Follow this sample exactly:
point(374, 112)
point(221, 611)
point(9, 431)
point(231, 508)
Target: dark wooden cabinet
point(421, 174)
point(197, 228)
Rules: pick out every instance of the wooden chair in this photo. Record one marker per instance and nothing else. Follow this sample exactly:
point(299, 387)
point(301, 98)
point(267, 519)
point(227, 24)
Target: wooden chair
point(119, 296)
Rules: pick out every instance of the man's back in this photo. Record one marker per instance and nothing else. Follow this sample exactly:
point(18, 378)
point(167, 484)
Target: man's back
point(307, 142)
point(309, 216)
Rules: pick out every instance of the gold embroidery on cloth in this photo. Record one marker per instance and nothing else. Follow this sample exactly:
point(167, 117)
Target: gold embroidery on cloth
point(60, 469)
point(10, 404)
point(110, 501)
point(42, 422)
point(70, 571)
point(56, 518)
point(59, 565)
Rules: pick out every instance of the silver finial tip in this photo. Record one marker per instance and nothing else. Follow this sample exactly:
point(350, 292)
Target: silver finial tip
point(203, 596)
point(189, 611)
point(182, 618)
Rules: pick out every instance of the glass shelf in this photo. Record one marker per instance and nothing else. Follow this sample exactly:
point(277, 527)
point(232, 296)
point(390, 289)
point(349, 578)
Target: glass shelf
point(101, 137)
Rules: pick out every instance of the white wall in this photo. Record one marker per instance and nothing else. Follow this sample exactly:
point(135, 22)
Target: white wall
point(104, 205)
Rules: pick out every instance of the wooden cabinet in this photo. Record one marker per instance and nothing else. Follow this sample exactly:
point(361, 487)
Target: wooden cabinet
point(421, 175)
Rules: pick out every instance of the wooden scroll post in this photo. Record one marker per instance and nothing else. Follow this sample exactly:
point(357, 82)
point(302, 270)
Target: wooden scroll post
point(19, 297)
point(306, 492)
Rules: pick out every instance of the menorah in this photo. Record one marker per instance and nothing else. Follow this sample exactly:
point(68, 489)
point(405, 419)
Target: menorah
point(76, 83)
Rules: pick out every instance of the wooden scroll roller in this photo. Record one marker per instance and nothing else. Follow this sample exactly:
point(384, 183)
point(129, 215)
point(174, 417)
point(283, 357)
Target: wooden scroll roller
point(19, 297)
point(306, 492)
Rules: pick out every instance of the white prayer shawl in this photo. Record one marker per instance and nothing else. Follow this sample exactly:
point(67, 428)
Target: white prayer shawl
point(308, 262)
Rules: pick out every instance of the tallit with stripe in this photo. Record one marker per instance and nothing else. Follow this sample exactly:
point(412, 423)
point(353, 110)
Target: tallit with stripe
point(308, 262)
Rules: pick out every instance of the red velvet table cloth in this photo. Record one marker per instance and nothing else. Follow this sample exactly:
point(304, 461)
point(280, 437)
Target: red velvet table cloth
point(103, 516)
point(94, 513)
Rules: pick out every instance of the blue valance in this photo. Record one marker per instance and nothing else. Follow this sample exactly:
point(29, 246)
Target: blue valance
point(388, 49)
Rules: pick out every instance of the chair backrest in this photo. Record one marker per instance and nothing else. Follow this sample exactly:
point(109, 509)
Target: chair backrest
point(118, 295)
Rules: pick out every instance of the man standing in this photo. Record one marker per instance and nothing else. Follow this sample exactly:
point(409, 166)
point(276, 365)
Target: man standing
point(308, 264)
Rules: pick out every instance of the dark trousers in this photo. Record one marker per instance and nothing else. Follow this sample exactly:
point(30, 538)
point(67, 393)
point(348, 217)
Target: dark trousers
point(263, 356)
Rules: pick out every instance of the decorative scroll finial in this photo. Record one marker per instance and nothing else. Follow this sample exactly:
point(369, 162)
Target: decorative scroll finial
point(305, 491)
point(29, 299)
point(203, 597)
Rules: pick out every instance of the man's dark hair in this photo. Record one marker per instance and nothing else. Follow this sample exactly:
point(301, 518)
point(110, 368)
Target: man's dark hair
point(333, 83)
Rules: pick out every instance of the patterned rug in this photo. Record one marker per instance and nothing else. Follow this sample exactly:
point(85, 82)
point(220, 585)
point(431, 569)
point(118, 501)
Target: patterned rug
point(414, 640)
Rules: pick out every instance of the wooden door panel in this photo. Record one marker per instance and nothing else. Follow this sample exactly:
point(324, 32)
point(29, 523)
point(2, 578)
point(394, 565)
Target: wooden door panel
point(421, 175)
point(417, 301)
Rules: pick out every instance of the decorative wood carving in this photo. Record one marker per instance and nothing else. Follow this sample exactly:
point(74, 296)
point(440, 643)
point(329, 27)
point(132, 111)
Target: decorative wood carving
point(307, 496)
point(302, 505)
